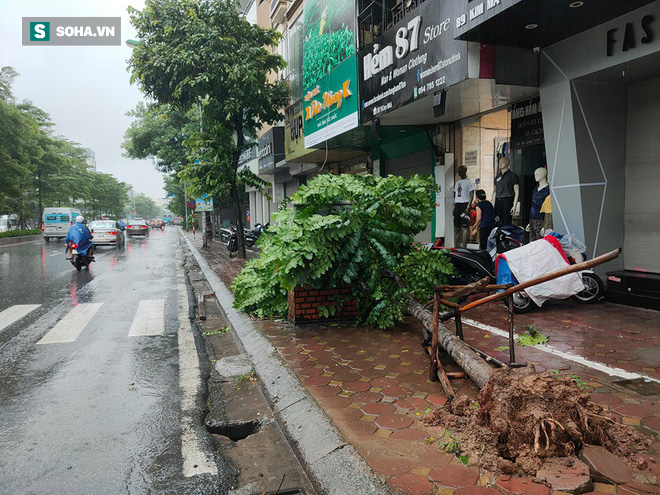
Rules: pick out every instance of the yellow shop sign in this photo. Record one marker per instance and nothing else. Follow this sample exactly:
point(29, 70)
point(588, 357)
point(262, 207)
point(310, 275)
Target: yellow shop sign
point(330, 98)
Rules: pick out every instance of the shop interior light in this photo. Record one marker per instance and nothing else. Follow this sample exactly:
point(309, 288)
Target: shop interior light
point(575, 5)
point(531, 26)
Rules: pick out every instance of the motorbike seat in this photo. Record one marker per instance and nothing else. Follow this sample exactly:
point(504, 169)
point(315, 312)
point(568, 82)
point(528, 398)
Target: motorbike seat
point(478, 253)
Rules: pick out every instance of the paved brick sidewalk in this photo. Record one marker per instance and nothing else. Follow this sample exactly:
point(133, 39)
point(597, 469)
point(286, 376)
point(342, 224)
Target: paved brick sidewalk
point(374, 386)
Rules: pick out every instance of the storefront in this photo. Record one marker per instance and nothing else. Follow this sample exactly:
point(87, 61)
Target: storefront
point(599, 80)
point(601, 102)
point(432, 101)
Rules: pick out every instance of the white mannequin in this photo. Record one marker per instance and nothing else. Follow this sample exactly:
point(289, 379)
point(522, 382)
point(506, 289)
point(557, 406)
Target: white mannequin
point(541, 178)
point(504, 164)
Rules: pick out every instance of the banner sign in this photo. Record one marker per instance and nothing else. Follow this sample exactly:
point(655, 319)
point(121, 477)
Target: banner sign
point(270, 149)
point(294, 136)
point(330, 96)
point(204, 204)
point(527, 123)
point(418, 56)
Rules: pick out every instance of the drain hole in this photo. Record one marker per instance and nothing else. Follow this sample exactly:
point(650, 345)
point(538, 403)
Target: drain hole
point(234, 430)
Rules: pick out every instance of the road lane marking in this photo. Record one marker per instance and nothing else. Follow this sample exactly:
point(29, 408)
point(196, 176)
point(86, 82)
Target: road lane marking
point(609, 370)
point(71, 326)
point(195, 460)
point(15, 313)
point(149, 319)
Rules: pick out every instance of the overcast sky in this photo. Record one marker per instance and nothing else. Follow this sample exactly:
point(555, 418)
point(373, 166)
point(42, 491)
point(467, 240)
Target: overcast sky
point(85, 89)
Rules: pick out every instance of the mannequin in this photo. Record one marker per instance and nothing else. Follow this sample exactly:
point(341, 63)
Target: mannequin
point(539, 195)
point(463, 195)
point(507, 190)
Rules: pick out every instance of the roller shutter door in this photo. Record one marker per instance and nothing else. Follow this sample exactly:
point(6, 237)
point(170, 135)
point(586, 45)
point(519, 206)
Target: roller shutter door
point(642, 210)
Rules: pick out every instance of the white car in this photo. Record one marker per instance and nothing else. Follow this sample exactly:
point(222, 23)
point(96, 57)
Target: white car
point(106, 232)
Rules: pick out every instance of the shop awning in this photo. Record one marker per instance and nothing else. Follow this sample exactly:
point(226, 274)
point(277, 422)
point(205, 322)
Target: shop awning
point(535, 23)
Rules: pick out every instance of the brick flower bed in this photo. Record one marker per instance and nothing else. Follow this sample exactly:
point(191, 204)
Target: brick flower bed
point(306, 304)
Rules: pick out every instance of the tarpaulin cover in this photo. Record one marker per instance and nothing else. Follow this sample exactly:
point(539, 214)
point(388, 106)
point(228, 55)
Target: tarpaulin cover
point(540, 258)
point(81, 236)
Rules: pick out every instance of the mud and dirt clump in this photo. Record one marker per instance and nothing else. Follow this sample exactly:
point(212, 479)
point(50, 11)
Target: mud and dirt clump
point(523, 418)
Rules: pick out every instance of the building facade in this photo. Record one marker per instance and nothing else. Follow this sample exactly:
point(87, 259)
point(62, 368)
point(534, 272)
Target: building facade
point(424, 86)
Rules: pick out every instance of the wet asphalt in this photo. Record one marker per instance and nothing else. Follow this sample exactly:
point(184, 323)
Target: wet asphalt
point(101, 414)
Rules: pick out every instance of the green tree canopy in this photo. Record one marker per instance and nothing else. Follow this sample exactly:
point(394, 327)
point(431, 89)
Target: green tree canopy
point(203, 52)
point(39, 168)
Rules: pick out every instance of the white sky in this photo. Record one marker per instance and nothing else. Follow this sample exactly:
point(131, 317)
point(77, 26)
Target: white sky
point(85, 89)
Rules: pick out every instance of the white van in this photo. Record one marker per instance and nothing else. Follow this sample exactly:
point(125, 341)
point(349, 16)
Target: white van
point(8, 222)
point(55, 222)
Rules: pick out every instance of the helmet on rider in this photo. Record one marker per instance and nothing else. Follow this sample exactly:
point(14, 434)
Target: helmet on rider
point(80, 219)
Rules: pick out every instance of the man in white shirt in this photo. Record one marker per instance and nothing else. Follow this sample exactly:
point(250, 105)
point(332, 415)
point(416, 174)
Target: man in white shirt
point(463, 195)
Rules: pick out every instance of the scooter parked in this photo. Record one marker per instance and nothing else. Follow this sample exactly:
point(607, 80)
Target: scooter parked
point(473, 265)
point(228, 236)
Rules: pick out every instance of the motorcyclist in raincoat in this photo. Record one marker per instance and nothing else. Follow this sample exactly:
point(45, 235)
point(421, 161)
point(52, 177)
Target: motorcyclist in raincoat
point(80, 234)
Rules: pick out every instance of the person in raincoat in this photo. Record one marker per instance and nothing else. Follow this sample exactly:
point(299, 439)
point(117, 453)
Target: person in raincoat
point(80, 234)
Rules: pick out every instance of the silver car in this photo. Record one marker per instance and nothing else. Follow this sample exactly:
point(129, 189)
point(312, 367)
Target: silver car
point(106, 233)
point(137, 226)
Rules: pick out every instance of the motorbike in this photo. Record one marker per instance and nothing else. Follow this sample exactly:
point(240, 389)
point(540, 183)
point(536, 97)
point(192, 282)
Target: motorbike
point(228, 236)
point(473, 264)
point(78, 259)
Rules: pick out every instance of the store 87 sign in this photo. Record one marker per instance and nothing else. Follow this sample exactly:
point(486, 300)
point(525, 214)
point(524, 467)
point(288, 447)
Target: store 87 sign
point(416, 57)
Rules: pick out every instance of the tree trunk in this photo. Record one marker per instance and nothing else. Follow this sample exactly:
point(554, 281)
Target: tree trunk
point(235, 196)
point(475, 367)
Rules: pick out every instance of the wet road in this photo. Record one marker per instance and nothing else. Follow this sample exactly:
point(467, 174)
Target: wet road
point(94, 407)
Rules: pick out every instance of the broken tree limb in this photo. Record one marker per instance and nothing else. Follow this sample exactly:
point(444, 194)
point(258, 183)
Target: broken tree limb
point(476, 368)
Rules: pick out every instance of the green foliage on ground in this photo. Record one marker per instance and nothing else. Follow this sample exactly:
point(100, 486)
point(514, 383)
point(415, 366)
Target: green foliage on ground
point(19, 233)
point(532, 337)
point(346, 229)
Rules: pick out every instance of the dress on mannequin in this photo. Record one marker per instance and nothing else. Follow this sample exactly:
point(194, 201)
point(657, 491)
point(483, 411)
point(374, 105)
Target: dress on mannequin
point(539, 195)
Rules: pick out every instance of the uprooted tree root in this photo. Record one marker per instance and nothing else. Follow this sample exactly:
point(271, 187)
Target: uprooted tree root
point(523, 418)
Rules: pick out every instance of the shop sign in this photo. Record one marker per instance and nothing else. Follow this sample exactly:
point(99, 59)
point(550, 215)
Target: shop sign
point(270, 149)
point(476, 12)
point(294, 137)
point(642, 33)
point(527, 123)
point(330, 97)
point(470, 158)
point(416, 57)
point(248, 155)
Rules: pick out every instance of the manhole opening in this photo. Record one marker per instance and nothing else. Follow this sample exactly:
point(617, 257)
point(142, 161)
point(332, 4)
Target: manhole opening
point(641, 386)
point(235, 431)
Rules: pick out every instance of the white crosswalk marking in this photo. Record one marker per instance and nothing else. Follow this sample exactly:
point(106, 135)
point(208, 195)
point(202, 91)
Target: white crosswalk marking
point(15, 313)
point(149, 319)
point(70, 327)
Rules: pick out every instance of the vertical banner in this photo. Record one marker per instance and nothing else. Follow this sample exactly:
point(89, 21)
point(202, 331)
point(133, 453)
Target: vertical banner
point(330, 96)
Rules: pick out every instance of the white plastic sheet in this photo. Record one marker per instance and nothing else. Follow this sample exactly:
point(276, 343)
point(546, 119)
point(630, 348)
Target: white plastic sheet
point(540, 258)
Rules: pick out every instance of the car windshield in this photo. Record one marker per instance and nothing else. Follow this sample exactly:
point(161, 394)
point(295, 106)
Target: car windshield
point(137, 222)
point(102, 225)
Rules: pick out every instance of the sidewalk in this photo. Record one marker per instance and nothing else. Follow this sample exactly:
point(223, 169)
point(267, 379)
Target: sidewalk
point(373, 384)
